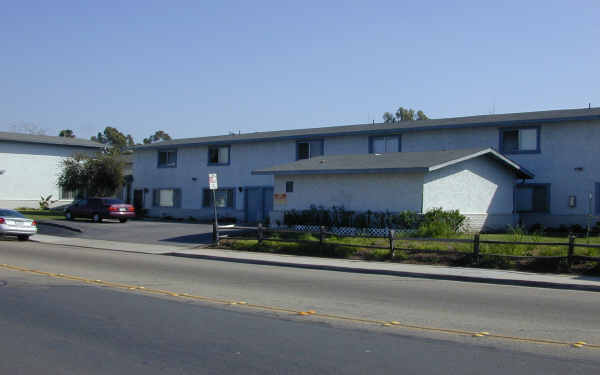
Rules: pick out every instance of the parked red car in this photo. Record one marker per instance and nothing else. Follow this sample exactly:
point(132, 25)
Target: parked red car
point(100, 208)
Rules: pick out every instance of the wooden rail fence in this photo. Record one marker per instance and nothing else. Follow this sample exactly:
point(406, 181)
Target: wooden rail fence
point(242, 233)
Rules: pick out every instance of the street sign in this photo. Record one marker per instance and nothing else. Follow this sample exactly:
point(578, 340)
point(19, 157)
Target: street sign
point(212, 181)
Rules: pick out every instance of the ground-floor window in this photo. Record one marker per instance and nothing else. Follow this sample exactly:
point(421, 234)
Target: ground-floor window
point(166, 197)
point(65, 194)
point(224, 197)
point(533, 198)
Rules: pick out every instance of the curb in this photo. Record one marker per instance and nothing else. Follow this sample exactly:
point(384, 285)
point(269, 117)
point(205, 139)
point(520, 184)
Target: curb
point(419, 275)
point(60, 226)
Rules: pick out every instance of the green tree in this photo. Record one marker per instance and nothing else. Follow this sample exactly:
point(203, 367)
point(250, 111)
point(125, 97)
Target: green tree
point(97, 175)
point(404, 114)
point(112, 137)
point(67, 133)
point(159, 136)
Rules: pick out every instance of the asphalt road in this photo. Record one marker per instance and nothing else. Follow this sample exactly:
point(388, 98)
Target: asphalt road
point(137, 332)
point(136, 231)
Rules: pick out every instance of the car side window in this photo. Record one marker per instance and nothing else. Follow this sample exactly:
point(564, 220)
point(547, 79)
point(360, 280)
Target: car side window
point(82, 203)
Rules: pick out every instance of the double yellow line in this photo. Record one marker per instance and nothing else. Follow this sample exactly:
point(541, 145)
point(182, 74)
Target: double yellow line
point(384, 323)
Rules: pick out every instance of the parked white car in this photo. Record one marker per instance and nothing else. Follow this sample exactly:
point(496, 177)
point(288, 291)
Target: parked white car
point(12, 223)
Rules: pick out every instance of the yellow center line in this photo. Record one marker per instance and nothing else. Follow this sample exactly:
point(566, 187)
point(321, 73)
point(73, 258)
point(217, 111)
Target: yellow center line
point(578, 344)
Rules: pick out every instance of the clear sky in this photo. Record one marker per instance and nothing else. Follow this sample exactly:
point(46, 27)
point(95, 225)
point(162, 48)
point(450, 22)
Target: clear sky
point(196, 68)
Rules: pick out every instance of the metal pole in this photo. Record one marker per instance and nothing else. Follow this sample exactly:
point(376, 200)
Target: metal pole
point(216, 223)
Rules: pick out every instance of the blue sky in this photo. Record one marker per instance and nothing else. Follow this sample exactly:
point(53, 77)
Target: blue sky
point(209, 67)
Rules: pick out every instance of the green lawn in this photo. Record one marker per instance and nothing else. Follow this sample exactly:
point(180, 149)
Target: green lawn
point(41, 215)
point(407, 249)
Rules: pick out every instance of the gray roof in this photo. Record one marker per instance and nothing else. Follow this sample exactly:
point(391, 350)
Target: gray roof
point(48, 140)
point(508, 119)
point(393, 162)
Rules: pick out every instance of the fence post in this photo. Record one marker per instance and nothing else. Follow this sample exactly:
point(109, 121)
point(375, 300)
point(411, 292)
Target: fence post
point(260, 234)
point(476, 249)
point(391, 234)
point(321, 234)
point(571, 251)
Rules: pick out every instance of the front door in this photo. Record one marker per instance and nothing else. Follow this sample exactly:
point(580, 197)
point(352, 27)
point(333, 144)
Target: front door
point(138, 200)
point(267, 202)
point(253, 204)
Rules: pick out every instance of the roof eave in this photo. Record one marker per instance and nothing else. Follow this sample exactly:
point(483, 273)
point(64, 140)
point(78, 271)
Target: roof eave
point(391, 130)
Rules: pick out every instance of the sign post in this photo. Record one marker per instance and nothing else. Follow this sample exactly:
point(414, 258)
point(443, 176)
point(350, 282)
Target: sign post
point(213, 186)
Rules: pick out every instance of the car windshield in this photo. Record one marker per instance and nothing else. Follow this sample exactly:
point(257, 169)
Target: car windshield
point(10, 213)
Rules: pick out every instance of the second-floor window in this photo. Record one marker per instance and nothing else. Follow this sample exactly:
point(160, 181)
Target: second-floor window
point(218, 155)
point(309, 149)
point(381, 145)
point(520, 141)
point(167, 158)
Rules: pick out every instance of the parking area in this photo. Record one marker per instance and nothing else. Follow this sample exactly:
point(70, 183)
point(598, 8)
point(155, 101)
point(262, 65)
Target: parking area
point(135, 231)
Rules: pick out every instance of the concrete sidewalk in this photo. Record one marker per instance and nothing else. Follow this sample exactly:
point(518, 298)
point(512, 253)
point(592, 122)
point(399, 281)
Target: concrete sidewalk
point(482, 275)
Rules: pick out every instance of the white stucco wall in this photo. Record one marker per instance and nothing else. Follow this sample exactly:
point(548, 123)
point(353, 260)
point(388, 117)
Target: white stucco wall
point(476, 186)
point(31, 170)
point(356, 192)
point(482, 189)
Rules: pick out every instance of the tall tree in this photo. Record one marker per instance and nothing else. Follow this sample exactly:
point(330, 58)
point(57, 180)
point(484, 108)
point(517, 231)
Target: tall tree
point(159, 136)
point(67, 133)
point(112, 137)
point(404, 114)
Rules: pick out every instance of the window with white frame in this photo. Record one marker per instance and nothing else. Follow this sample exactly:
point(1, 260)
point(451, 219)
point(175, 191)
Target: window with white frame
point(218, 155)
point(383, 144)
point(167, 158)
point(523, 140)
point(166, 198)
point(309, 149)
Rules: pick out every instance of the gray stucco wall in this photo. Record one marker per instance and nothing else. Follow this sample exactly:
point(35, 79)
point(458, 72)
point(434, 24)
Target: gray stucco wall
point(31, 170)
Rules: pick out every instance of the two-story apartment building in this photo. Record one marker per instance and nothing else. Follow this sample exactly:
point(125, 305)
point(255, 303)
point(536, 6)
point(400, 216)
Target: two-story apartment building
point(559, 148)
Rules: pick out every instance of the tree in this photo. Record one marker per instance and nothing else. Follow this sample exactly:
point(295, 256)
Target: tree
point(97, 175)
point(112, 137)
point(159, 136)
point(404, 114)
point(67, 133)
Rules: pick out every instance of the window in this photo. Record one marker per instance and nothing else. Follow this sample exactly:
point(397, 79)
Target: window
point(219, 155)
point(309, 149)
point(166, 198)
point(533, 198)
point(167, 159)
point(289, 187)
point(65, 194)
point(519, 141)
point(225, 198)
point(381, 145)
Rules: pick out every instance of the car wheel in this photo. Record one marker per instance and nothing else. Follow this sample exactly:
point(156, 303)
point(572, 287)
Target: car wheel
point(123, 220)
point(96, 218)
point(68, 215)
point(23, 238)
